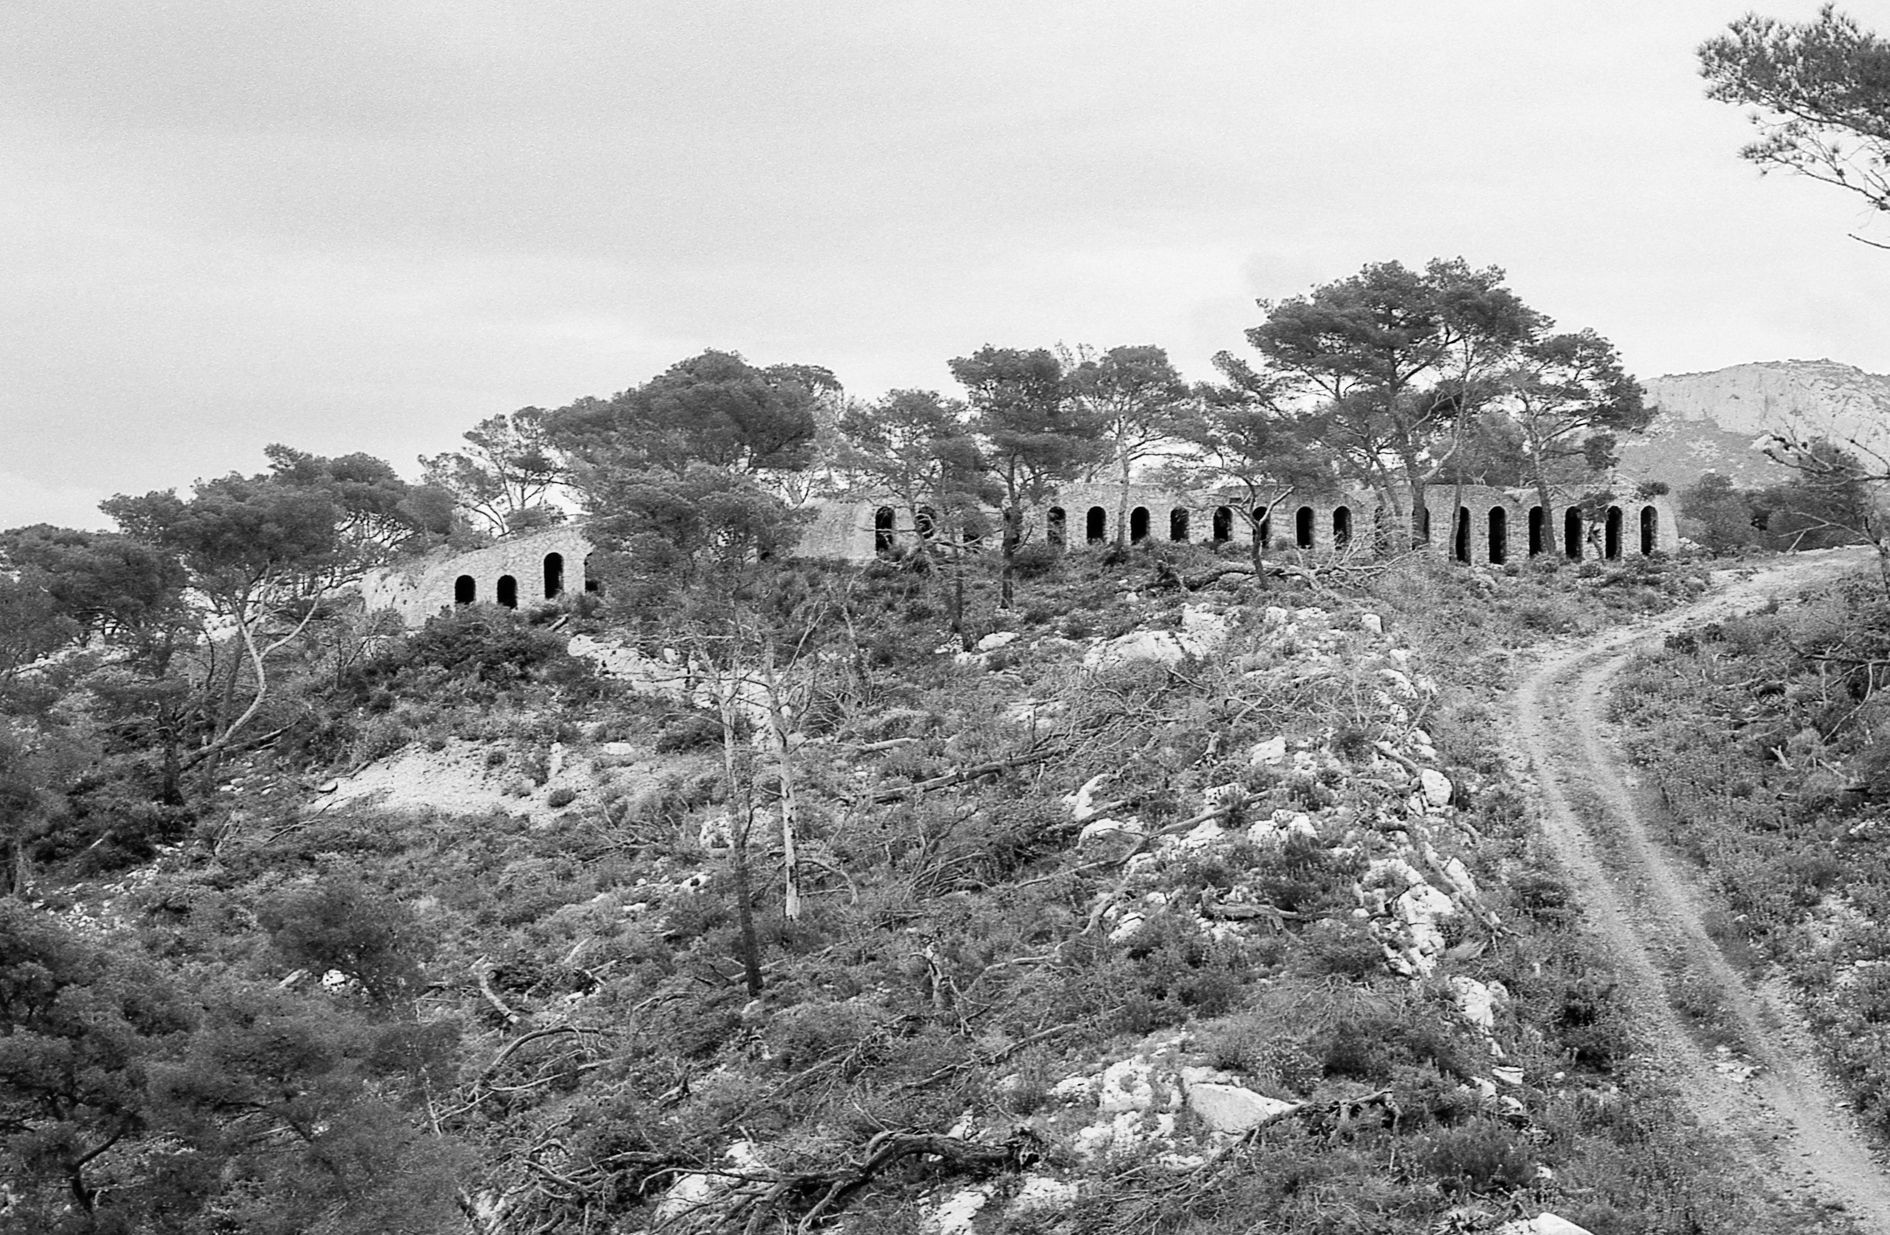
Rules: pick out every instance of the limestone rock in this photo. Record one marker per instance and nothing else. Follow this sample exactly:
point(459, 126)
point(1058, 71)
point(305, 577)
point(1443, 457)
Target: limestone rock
point(1233, 1109)
point(1109, 829)
point(1437, 788)
point(956, 1214)
point(1040, 1194)
point(1082, 803)
point(1267, 753)
point(997, 639)
point(1541, 1224)
point(1371, 623)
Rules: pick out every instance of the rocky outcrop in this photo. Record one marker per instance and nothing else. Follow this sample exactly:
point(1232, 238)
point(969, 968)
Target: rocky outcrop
point(1720, 421)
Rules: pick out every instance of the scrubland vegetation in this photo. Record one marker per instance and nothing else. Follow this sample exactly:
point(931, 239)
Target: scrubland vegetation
point(1765, 736)
point(252, 1013)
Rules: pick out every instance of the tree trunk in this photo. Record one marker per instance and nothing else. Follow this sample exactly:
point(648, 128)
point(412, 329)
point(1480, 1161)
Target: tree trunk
point(1122, 508)
point(1013, 536)
point(784, 771)
point(741, 814)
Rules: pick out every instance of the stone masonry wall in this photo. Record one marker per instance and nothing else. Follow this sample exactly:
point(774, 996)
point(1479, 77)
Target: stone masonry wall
point(1499, 526)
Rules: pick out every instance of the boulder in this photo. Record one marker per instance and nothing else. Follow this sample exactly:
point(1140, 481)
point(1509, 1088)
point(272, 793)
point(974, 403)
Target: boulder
point(997, 639)
point(1267, 753)
point(1541, 1224)
point(1371, 623)
point(1437, 788)
point(1233, 1109)
point(1110, 829)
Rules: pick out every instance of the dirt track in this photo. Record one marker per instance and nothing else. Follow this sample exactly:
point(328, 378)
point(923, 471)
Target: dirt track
point(1785, 1121)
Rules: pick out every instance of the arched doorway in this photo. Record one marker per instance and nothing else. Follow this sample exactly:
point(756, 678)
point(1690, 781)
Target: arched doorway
point(554, 575)
point(507, 591)
point(1341, 527)
point(1177, 524)
point(465, 591)
point(1138, 525)
point(1421, 519)
point(1611, 535)
point(925, 522)
point(1263, 526)
point(1572, 533)
point(1223, 524)
point(1303, 527)
point(591, 582)
point(1499, 535)
point(883, 531)
point(1650, 530)
point(1056, 527)
point(1460, 543)
point(1096, 525)
point(1538, 530)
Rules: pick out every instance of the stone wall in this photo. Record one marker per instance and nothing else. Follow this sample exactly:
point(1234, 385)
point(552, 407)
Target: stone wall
point(1499, 526)
point(428, 585)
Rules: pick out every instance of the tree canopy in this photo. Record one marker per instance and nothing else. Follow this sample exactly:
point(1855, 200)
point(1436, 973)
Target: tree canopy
point(1819, 93)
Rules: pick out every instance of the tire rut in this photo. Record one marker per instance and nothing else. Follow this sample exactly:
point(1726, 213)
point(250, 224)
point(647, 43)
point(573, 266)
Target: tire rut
point(1786, 1121)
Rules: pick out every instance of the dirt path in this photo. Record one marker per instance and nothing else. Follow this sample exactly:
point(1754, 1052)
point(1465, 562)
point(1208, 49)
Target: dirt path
point(1787, 1122)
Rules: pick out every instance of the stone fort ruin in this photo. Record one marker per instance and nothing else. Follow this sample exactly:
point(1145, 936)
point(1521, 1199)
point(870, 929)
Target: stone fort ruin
point(1494, 527)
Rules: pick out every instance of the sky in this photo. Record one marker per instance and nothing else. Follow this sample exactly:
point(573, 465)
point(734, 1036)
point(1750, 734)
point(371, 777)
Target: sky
point(364, 225)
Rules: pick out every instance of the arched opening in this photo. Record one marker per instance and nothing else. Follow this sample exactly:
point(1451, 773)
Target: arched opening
point(554, 575)
point(1177, 525)
point(883, 531)
point(1303, 527)
point(1138, 525)
point(1056, 527)
point(1460, 543)
point(1611, 534)
point(1572, 533)
point(1650, 530)
point(1341, 527)
point(1499, 535)
point(465, 591)
point(1263, 526)
point(591, 582)
point(925, 522)
point(508, 591)
point(1421, 519)
point(1096, 526)
point(1223, 525)
point(1538, 530)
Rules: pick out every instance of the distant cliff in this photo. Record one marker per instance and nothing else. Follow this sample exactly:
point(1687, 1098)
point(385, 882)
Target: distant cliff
point(1720, 421)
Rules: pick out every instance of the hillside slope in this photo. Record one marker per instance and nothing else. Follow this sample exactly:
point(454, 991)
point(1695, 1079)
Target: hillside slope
point(1719, 421)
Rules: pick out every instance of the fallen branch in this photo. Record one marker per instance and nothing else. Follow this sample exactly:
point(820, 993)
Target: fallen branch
point(960, 776)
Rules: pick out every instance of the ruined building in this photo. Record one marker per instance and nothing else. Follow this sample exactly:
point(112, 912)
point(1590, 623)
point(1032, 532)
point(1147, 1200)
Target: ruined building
point(1495, 527)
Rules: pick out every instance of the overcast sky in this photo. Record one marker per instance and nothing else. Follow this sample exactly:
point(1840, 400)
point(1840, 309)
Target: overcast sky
point(367, 225)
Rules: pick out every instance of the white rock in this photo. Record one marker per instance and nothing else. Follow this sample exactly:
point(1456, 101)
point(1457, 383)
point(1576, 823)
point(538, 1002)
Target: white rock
point(1082, 803)
point(1541, 1224)
point(1436, 787)
point(1125, 929)
point(997, 639)
point(1509, 1076)
point(1232, 1109)
point(1273, 616)
point(1477, 1001)
point(1127, 1085)
point(1071, 1087)
point(1161, 646)
point(1371, 623)
point(1203, 835)
point(1422, 904)
point(1105, 829)
point(1267, 753)
point(1460, 878)
point(619, 750)
point(956, 1214)
point(1041, 1192)
point(554, 762)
